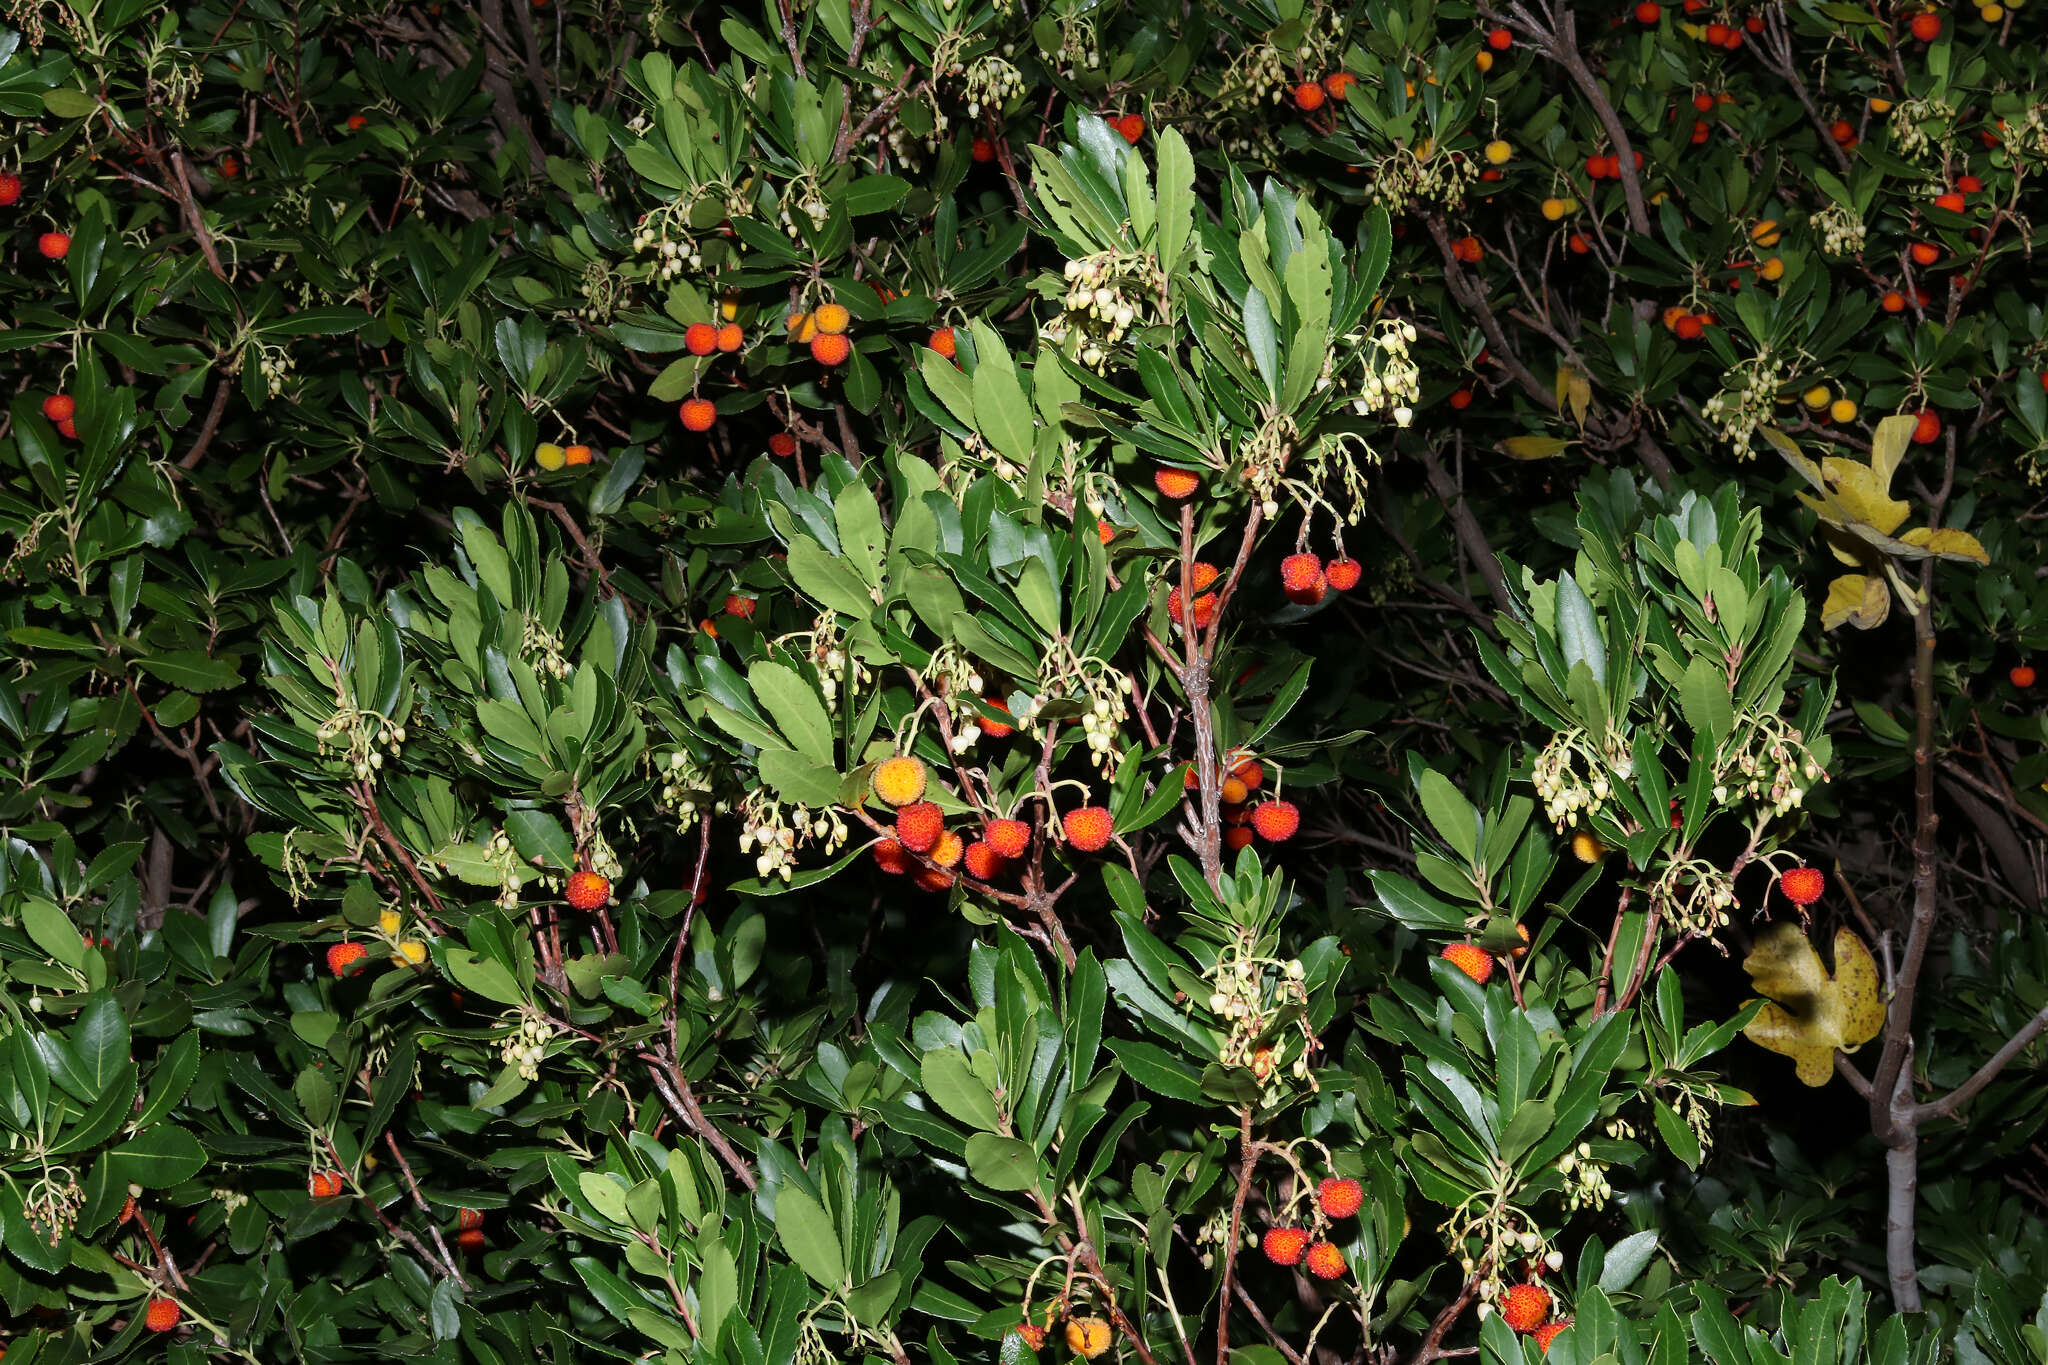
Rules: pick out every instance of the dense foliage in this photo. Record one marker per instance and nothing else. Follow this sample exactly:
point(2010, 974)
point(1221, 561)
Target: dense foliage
point(932, 680)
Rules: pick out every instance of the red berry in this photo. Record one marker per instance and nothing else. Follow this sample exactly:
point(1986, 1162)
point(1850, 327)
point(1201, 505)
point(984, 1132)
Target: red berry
point(587, 890)
point(343, 956)
point(983, 150)
point(1325, 1261)
point(1500, 40)
point(2022, 675)
point(1649, 12)
point(944, 343)
point(1969, 184)
point(1927, 430)
point(738, 604)
point(1309, 96)
point(1471, 959)
point(1008, 837)
point(1088, 828)
point(782, 444)
point(324, 1184)
point(68, 429)
point(1276, 821)
point(1283, 1246)
point(1175, 483)
point(889, 856)
point(1952, 201)
point(919, 825)
point(1343, 574)
point(1525, 1307)
point(1802, 885)
point(700, 338)
point(10, 188)
point(698, 414)
point(1925, 253)
point(60, 407)
point(1926, 27)
point(1468, 250)
point(161, 1315)
point(54, 245)
point(1299, 572)
point(1461, 399)
point(1596, 167)
point(1690, 327)
point(468, 1220)
point(1131, 127)
point(830, 348)
point(470, 1239)
point(1340, 1197)
point(1547, 1333)
point(983, 862)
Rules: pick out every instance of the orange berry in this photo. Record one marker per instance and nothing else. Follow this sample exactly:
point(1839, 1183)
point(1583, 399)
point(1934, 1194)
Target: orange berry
point(919, 825)
point(948, 851)
point(1205, 609)
point(830, 348)
point(1131, 127)
point(1104, 532)
point(983, 862)
point(1299, 572)
point(944, 342)
point(127, 1211)
point(1283, 1246)
point(1175, 483)
point(995, 729)
point(1233, 791)
point(55, 245)
point(10, 188)
point(1470, 959)
point(161, 1315)
point(1325, 1261)
point(1468, 250)
point(700, 338)
point(1952, 201)
point(1578, 243)
point(587, 890)
point(1926, 27)
point(698, 414)
point(468, 1218)
point(1525, 1307)
point(470, 1239)
point(1649, 12)
point(1008, 837)
point(1690, 327)
point(739, 604)
point(1309, 96)
point(576, 455)
point(1250, 772)
point(1547, 1333)
point(343, 956)
point(899, 780)
point(1087, 1337)
point(324, 1184)
point(357, 122)
point(68, 429)
point(1343, 574)
point(60, 407)
point(1461, 399)
point(832, 318)
point(1893, 301)
point(1338, 84)
point(1340, 1197)
point(731, 337)
point(1033, 1334)
point(1925, 253)
point(1088, 828)
point(2022, 675)
point(1802, 885)
point(1276, 821)
point(1927, 430)
point(890, 857)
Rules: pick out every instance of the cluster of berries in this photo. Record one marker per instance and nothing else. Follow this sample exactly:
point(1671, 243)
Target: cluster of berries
point(1306, 579)
point(1290, 1245)
point(551, 457)
point(825, 332)
point(920, 830)
point(62, 410)
point(1310, 95)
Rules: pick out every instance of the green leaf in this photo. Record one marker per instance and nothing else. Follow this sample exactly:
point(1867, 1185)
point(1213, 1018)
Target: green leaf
point(795, 707)
point(806, 1233)
point(826, 579)
point(1156, 1069)
point(1453, 817)
point(1002, 1163)
point(1001, 413)
point(1263, 339)
point(486, 976)
point(953, 1086)
point(99, 1041)
point(64, 102)
point(157, 1158)
point(1627, 1259)
point(54, 933)
point(1578, 630)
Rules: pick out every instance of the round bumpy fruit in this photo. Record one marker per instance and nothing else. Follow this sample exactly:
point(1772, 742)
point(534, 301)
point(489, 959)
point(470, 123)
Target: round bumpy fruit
point(587, 890)
point(890, 857)
point(55, 246)
point(1649, 12)
point(1547, 1333)
point(1309, 96)
point(1276, 821)
point(1175, 483)
point(1299, 572)
point(995, 729)
point(698, 414)
point(1087, 1337)
point(1500, 40)
point(731, 337)
point(1325, 1261)
point(10, 188)
point(1927, 430)
point(1131, 127)
point(944, 342)
point(1088, 828)
point(550, 456)
point(1033, 1334)
point(1008, 837)
point(1926, 27)
point(1842, 410)
point(1802, 885)
point(983, 150)
point(1343, 574)
point(830, 348)
point(161, 1315)
point(60, 407)
point(1471, 959)
point(470, 1239)
point(576, 456)
point(324, 1184)
point(1338, 84)
point(1283, 1246)
point(919, 825)
point(782, 444)
point(931, 879)
point(948, 851)
point(1525, 1307)
point(983, 862)
point(2022, 675)
point(1340, 1197)
point(468, 1219)
point(343, 956)
point(1498, 152)
point(700, 338)
point(832, 318)
point(1587, 849)
point(899, 780)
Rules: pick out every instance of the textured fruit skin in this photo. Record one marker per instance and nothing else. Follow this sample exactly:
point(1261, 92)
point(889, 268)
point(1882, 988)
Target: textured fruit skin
point(1008, 837)
point(830, 348)
point(1276, 821)
point(931, 879)
point(1802, 885)
point(10, 189)
point(343, 956)
point(1300, 571)
point(890, 857)
point(469, 1219)
point(919, 825)
point(1587, 849)
point(161, 1315)
point(1087, 1337)
point(60, 407)
point(899, 780)
point(1176, 483)
point(1309, 97)
point(698, 414)
point(1344, 574)
point(1340, 1197)
point(944, 342)
point(948, 851)
point(1283, 1246)
point(1131, 127)
point(1339, 84)
point(1547, 1333)
point(1927, 430)
point(738, 605)
point(1249, 771)
point(576, 455)
point(1088, 828)
point(1324, 1261)
point(1033, 1334)
point(731, 337)
point(1525, 1307)
point(324, 1184)
point(587, 890)
point(1471, 959)
point(470, 1239)
point(984, 864)
point(2022, 675)
point(782, 444)
point(832, 318)
point(1205, 609)
point(995, 729)
point(55, 246)
point(700, 338)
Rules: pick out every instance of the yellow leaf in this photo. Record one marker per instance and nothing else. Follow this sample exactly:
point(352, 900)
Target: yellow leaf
point(1866, 496)
point(1809, 1015)
point(1889, 442)
point(1948, 544)
point(1859, 599)
point(1534, 447)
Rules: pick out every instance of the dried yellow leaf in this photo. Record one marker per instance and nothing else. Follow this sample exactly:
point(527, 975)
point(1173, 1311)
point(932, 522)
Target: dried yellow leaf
point(1809, 1014)
point(1858, 599)
point(1948, 544)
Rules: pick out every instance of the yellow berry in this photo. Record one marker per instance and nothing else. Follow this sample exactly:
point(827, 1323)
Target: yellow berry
point(549, 456)
point(1765, 233)
point(1498, 152)
point(410, 954)
point(1818, 397)
point(388, 922)
point(1587, 849)
point(1990, 14)
point(1842, 410)
point(1773, 269)
point(1485, 61)
point(832, 318)
point(1878, 106)
point(728, 309)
